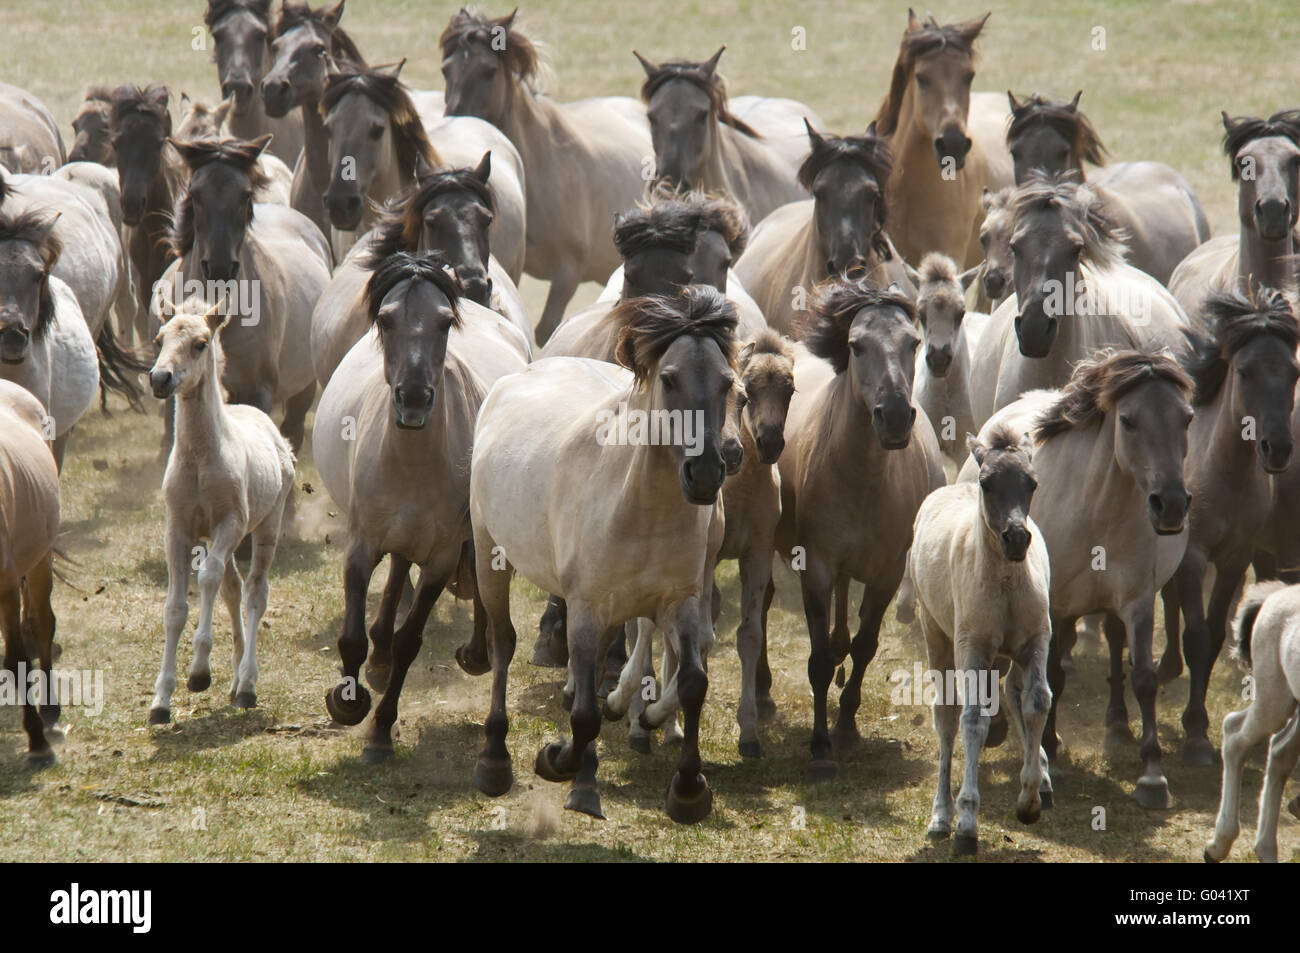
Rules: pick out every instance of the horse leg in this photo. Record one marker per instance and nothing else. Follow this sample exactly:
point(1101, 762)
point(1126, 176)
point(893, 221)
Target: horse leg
point(266, 538)
point(689, 798)
point(840, 640)
point(763, 674)
point(1283, 752)
point(175, 612)
point(552, 650)
point(492, 772)
point(617, 702)
point(939, 652)
point(406, 646)
point(212, 570)
point(1152, 791)
point(816, 583)
point(755, 574)
point(1118, 732)
point(1171, 662)
point(16, 657)
point(564, 282)
point(973, 662)
point(1031, 699)
point(293, 427)
point(562, 760)
point(662, 712)
point(1242, 730)
point(640, 667)
point(1055, 683)
point(379, 666)
point(615, 659)
point(863, 650)
point(1190, 579)
point(348, 702)
point(39, 589)
point(474, 657)
point(1229, 573)
point(232, 590)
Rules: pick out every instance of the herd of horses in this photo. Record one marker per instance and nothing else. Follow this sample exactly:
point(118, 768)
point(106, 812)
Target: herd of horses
point(956, 360)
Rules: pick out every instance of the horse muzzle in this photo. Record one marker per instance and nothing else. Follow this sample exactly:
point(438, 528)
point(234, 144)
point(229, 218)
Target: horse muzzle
point(1275, 454)
point(1168, 511)
point(769, 441)
point(242, 90)
point(1035, 332)
point(345, 211)
point(952, 147)
point(1015, 540)
point(939, 360)
point(277, 97)
point(163, 383)
point(412, 406)
point(995, 282)
point(701, 478)
point(893, 420)
point(1273, 219)
point(15, 344)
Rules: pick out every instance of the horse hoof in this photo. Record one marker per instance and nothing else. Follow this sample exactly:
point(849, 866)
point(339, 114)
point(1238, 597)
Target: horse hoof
point(345, 711)
point(566, 699)
point(1029, 815)
point(54, 735)
point(1210, 858)
point(839, 677)
point(639, 743)
point(246, 700)
point(493, 777)
point(689, 810)
point(470, 663)
point(377, 753)
point(749, 749)
point(608, 685)
point(846, 739)
point(823, 769)
point(608, 713)
point(766, 708)
point(1045, 799)
point(50, 715)
point(1152, 794)
point(545, 765)
point(545, 656)
point(585, 800)
point(997, 730)
point(938, 833)
point(199, 682)
point(644, 723)
point(1199, 753)
point(1167, 671)
point(377, 677)
point(965, 845)
point(160, 716)
point(41, 759)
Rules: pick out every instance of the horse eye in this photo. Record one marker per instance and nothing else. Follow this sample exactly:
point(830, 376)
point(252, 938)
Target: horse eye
point(200, 347)
point(1127, 422)
point(377, 132)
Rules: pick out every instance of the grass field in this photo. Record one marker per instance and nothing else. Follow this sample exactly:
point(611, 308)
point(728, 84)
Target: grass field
point(280, 782)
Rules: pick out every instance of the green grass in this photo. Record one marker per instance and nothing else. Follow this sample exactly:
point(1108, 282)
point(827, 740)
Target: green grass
point(280, 783)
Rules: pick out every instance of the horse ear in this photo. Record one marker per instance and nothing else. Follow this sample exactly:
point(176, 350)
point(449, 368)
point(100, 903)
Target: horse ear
point(913, 275)
point(484, 168)
point(1015, 103)
point(871, 130)
point(712, 63)
point(1228, 122)
point(977, 449)
point(650, 68)
point(261, 142)
point(333, 15)
point(913, 22)
point(967, 277)
point(215, 317)
point(509, 21)
point(159, 96)
point(1074, 103)
point(185, 101)
point(814, 137)
point(49, 254)
point(746, 353)
point(222, 112)
point(986, 199)
point(394, 71)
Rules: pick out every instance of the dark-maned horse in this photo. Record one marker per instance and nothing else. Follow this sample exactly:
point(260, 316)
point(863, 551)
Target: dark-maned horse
point(94, 141)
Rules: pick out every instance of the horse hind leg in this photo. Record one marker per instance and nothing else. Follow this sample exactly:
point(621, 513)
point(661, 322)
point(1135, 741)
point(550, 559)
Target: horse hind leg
point(689, 799)
point(1242, 730)
point(862, 651)
point(755, 573)
point(256, 591)
point(1283, 753)
point(232, 589)
point(564, 282)
point(1171, 662)
point(293, 427)
point(551, 650)
point(379, 665)
point(37, 592)
point(493, 774)
point(39, 752)
point(1031, 699)
point(1119, 735)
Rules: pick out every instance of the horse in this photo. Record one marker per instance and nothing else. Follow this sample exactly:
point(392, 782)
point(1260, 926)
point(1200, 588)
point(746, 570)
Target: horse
point(1074, 295)
point(1244, 364)
point(700, 144)
point(1112, 507)
point(1155, 206)
point(583, 160)
point(978, 578)
point(413, 388)
point(241, 33)
point(377, 138)
point(268, 261)
point(841, 228)
point(449, 211)
point(45, 343)
point(230, 474)
point(93, 141)
point(949, 335)
point(996, 271)
point(857, 463)
point(201, 121)
point(612, 564)
point(29, 137)
point(304, 43)
point(29, 515)
point(947, 142)
point(1266, 642)
point(1264, 154)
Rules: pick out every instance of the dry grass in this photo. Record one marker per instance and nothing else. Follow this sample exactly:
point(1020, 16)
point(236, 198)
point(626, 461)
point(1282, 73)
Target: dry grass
point(280, 783)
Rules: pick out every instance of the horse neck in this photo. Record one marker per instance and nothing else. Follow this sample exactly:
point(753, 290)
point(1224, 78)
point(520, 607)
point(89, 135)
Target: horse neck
point(650, 483)
point(724, 155)
point(848, 437)
point(537, 127)
point(910, 142)
point(201, 414)
point(1262, 262)
point(1233, 458)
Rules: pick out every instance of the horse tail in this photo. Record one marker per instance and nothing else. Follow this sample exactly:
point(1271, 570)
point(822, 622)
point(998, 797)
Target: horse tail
point(117, 368)
point(1244, 625)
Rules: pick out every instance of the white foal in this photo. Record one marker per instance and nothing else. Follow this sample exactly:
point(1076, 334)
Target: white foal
point(230, 474)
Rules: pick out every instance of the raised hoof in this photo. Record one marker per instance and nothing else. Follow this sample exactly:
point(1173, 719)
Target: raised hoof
point(749, 749)
point(1199, 753)
point(997, 730)
point(199, 682)
point(347, 712)
point(246, 700)
point(41, 759)
point(693, 810)
point(585, 800)
point(160, 716)
point(644, 723)
point(1153, 795)
point(545, 655)
point(494, 778)
point(608, 685)
point(938, 833)
point(377, 676)
point(1170, 667)
point(766, 708)
point(965, 845)
point(1046, 800)
point(608, 713)
point(1029, 815)
point(639, 743)
point(566, 699)
point(54, 735)
point(839, 677)
point(470, 663)
point(545, 764)
point(820, 771)
point(376, 754)
point(50, 715)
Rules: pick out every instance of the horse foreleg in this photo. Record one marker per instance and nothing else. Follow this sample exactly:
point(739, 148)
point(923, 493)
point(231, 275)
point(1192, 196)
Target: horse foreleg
point(1055, 683)
point(1152, 790)
point(689, 798)
point(1190, 579)
point(1118, 733)
point(863, 650)
point(1283, 752)
point(973, 663)
point(473, 657)
point(232, 591)
point(39, 589)
point(640, 670)
point(816, 583)
point(755, 574)
point(348, 702)
point(175, 612)
point(1031, 700)
point(16, 657)
point(1171, 662)
point(840, 639)
point(266, 539)
point(763, 675)
point(493, 774)
point(564, 282)
point(562, 760)
point(379, 666)
point(939, 652)
point(618, 701)
point(293, 426)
